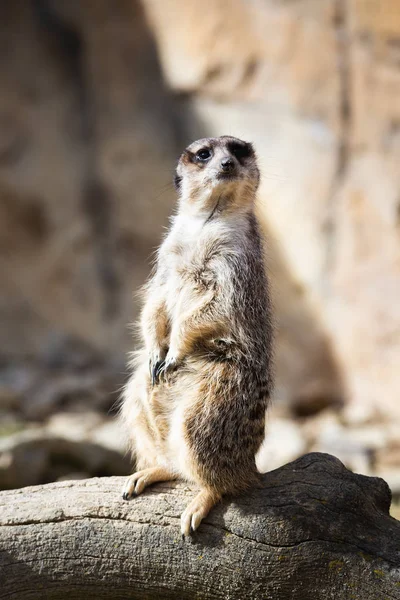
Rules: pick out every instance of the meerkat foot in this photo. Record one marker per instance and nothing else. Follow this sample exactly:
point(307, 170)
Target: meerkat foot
point(137, 482)
point(197, 510)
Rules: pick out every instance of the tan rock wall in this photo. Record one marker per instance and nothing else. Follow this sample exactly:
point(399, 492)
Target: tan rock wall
point(364, 311)
point(100, 98)
point(322, 104)
point(89, 141)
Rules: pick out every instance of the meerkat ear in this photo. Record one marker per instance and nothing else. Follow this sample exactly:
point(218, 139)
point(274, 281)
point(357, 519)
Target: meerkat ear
point(177, 182)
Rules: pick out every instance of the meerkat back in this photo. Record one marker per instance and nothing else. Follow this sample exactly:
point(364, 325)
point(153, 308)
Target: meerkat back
point(195, 405)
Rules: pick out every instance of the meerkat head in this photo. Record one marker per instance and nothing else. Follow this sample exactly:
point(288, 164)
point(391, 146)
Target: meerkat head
point(219, 172)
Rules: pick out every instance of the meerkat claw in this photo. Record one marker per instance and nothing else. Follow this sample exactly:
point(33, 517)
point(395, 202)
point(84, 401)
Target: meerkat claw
point(169, 365)
point(185, 525)
point(195, 521)
point(127, 496)
point(129, 491)
point(156, 370)
point(190, 522)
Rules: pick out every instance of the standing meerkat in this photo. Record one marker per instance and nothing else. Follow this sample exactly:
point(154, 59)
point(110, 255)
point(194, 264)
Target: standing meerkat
point(195, 406)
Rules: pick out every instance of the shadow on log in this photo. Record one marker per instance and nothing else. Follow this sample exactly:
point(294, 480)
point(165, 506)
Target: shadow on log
point(313, 530)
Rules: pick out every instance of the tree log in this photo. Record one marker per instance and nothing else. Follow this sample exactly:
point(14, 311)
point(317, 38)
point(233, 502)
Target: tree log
point(312, 530)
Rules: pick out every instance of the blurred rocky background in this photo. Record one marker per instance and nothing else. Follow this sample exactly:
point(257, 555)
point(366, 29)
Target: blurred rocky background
point(97, 101)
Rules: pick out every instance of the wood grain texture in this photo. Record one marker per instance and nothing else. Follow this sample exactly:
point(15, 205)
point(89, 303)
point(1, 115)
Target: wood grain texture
point(313, 530)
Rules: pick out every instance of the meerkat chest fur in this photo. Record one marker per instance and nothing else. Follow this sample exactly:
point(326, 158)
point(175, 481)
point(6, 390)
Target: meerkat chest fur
point(189, 258)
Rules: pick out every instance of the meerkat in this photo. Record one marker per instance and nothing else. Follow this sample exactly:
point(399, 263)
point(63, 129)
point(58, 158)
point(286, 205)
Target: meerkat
point(195, 405)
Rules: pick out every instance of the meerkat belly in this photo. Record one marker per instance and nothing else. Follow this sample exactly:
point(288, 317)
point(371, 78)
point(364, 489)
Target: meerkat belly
point(182, 294)
point(167, 407)
point(218, 424)
point(176, 450)
point(174, 292)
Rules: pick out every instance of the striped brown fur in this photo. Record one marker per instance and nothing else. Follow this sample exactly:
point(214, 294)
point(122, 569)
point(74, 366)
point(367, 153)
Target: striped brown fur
point(195, 405)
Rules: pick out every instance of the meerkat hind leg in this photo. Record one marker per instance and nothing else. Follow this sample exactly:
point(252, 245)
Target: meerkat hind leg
point(197, 510)
point(136, 483)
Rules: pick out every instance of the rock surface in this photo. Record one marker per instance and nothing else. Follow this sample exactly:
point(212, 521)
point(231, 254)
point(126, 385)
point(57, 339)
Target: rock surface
point(312, 530)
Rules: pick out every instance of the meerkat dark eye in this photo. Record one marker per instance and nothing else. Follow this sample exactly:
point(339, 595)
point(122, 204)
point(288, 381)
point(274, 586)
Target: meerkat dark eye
point(177, 182)
point(203, 154)
point(240, 151)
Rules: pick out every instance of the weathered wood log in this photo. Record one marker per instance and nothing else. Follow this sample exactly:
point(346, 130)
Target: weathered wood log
point(313, 530)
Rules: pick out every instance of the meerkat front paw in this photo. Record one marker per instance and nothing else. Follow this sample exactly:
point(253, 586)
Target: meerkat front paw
point(156, 364)
point(171, 362)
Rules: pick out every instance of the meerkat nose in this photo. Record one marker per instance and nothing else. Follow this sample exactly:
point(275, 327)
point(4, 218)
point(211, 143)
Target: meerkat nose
point(227, 165)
